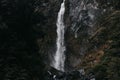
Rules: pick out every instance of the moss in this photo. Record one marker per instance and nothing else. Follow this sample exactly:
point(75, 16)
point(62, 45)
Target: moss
point(109, 68)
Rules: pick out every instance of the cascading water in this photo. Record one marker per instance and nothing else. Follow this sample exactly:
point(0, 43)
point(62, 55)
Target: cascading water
point(59, 56)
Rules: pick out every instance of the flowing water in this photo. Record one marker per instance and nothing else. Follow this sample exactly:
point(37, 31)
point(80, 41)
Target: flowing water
point(59, 57)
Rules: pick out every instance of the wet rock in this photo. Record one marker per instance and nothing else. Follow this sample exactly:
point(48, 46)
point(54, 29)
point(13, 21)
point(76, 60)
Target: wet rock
point(53, 74)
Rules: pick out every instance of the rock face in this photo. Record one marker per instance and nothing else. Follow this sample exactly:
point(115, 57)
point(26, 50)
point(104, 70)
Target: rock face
point(86, 50)
point(28, 38)
point(82, 24)
point(82, 17)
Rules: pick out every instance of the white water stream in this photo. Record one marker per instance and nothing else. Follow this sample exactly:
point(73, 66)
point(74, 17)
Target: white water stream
point(59, 57)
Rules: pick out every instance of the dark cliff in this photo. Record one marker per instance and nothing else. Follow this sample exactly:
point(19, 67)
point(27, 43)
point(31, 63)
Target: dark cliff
point(28, 37)
point(27, 32)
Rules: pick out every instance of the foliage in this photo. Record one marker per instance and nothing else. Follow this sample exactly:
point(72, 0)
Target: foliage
point(109, 67)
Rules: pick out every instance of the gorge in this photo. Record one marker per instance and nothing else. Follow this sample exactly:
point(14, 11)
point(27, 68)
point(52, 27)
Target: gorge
point(59, 40)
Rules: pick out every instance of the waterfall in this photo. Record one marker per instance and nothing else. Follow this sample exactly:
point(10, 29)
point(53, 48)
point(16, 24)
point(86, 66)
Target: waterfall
point(59, 57)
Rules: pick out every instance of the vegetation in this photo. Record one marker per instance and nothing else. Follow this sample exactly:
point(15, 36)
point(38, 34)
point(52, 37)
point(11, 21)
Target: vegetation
point(28, 36)
point(109, 68)
point(103, 54)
